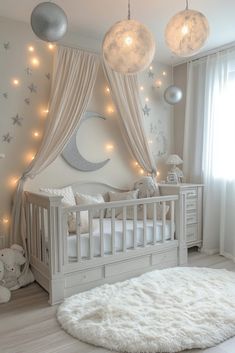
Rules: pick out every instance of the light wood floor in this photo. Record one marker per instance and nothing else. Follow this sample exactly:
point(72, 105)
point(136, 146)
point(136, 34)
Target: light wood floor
point(28, 323)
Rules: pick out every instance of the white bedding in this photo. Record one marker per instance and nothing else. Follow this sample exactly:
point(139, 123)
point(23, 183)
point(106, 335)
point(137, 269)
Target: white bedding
point(72, 238)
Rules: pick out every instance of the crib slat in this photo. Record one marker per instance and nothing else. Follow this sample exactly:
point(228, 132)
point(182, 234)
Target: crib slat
point(28, 221)
point(39, 233)
point(154, 223)
point(135, 227)
point(124, 229)
point(78, 236)
point(113, 230)
point(43, 235)
point(172, 210)
point(65, 237)
point(102, 233)
point(90, 215)
point(163, 221)
point(145, 224)
point(34, 239)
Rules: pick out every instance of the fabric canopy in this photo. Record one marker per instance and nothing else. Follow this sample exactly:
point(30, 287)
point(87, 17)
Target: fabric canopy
point(125, 93)
point(74, 76)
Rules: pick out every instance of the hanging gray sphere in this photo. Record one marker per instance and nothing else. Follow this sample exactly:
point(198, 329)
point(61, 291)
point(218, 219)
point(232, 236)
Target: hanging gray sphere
point(173, 95)
point(49, 22)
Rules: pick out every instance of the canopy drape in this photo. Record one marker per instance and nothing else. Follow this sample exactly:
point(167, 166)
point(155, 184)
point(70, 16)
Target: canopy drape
point(125, 93)
point(74, 76)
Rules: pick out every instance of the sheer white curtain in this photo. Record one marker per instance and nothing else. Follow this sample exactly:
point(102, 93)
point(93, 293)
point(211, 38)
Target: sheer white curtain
point(74, 77)
point(209, 146)
point(125, 93)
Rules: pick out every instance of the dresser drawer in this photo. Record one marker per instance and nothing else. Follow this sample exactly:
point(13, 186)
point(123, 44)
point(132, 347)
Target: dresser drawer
point(191, 204)
point(191, 193)
point(191, 218)
point(191, 233)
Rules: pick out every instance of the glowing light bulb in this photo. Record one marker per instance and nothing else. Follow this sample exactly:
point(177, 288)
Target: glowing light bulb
point(107, 90)
point(141, 88)
point(109, 147)
point(158, 173)
point(5, 220)
point(35, 62)
point(136, 164)
point(141, 171)
point(150, 68)
point(15, 82)
point(146, 99)
point(110, 109)
point(31, 48)
point(150, 142)
point(164, 73)
point(184, 30)
point(128, 40)
point(158, 83)
point(13, 181)
point(36, 134)
point(51, 46)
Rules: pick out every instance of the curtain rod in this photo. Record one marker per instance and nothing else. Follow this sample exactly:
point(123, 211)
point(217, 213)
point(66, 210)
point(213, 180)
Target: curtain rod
point(205, 54)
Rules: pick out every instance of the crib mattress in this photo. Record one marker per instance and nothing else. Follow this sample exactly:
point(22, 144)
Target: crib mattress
point(85, 250)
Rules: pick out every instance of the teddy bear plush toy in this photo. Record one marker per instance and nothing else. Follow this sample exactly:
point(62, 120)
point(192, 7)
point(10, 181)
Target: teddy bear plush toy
point(13, 259)
point(5, 293)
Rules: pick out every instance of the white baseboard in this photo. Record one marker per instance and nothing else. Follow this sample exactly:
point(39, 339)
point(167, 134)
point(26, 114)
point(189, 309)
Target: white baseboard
point(228, 256)
point(209, 251)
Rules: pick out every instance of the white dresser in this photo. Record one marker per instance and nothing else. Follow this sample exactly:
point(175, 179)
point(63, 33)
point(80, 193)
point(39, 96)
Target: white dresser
point(191, 197)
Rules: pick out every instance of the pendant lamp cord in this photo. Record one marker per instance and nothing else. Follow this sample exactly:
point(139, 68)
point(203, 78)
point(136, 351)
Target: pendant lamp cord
point(129, 10)
point(186, 4)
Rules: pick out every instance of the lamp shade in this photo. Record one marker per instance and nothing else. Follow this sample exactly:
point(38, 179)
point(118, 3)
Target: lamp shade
point(49, 22)
point(186, 32)
point(174, 159)
point(128, 47)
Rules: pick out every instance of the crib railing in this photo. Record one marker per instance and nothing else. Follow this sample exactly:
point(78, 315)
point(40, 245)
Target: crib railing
point(47, 229)
point(123, 208)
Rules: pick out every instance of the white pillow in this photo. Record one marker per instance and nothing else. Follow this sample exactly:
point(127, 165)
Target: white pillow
point(67, 193)
point(68, 200)
point(119, 196)
point(84, 199)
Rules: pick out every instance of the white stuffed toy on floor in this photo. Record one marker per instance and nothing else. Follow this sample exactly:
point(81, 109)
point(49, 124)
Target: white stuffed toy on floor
point(13, 260)
point(5, 293)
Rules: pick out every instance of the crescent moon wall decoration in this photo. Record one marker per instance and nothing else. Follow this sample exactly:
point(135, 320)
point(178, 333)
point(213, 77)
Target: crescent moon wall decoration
point(73, 157)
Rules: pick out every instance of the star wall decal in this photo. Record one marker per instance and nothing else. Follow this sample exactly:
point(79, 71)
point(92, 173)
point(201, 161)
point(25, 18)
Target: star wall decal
point(48, 75)
point(6, 45)
point(17, 120)
point(150, 74)
point(7, 138)
point(5, 95)
point(27, 101)
point(28, 71)
point(146, 110)
point(32, 88)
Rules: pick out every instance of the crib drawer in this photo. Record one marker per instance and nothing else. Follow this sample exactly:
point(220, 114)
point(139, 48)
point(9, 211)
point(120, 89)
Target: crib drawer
point(191, 233)
point(191, 193)
point(191, 218)
point(168, 256)
point(84, 277)
point(191, 204)
point(126, 266)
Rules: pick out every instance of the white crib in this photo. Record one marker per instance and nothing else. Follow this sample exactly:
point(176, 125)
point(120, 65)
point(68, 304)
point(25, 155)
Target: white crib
point(67, 264)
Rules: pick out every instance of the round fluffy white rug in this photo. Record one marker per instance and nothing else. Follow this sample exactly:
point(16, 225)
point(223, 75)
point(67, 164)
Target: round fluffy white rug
point(161, 311)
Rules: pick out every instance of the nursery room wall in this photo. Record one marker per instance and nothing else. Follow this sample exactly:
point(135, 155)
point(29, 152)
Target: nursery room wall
point(24, 105)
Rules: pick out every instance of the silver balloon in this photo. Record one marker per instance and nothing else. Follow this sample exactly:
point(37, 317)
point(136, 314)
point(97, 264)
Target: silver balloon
point(49, 22)
point(173, 95)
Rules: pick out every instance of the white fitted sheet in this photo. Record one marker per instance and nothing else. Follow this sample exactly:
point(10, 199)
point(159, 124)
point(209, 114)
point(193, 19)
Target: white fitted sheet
point(72, 238)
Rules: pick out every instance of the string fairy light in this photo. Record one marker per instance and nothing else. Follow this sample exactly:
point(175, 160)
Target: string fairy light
point(15, 81)
point(31, 48)
point(35, 61)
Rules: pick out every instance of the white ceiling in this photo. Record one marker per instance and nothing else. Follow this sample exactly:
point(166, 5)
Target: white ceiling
point(92, 18)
